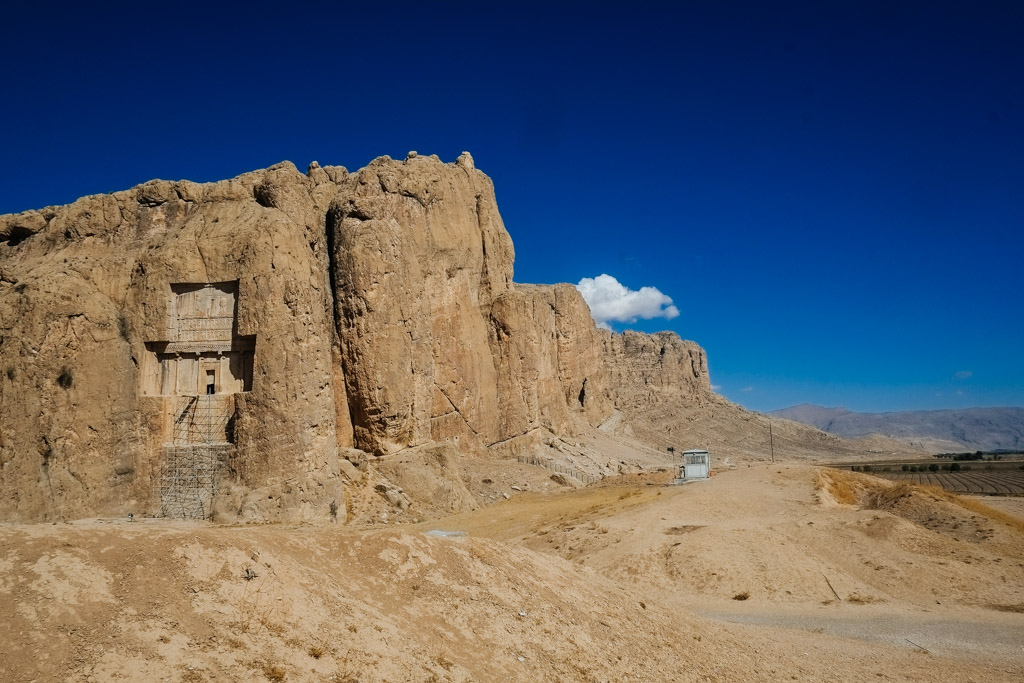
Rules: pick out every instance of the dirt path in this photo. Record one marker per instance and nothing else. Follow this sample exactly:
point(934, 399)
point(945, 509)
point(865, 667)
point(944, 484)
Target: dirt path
point(840, 571)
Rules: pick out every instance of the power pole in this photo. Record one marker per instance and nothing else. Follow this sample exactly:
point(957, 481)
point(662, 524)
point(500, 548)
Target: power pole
point(771, 440)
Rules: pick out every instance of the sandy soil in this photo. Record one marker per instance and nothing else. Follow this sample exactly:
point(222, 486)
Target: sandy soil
point(1011, 505)
point(627, 580)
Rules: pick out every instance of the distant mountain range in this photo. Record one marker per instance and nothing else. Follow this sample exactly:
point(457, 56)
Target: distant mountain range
point(938, 431)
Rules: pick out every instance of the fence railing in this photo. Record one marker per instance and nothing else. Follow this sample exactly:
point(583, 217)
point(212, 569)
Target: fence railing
point(567, 470)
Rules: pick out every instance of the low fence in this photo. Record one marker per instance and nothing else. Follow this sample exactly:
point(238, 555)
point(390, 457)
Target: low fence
point(567, 470)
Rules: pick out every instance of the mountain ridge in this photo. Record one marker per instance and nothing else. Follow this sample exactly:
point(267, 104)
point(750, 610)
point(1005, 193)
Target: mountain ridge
point(951, 429)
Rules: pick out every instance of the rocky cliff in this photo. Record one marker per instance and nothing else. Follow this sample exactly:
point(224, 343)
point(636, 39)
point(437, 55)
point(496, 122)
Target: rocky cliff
point(225, 346)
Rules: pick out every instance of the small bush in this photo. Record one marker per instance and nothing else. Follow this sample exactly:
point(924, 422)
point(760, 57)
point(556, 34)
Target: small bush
point(11, 373)
point(66, 378)
point(273, 672)
point(933, 468)
point(905, 468)
point(316, 651)
point(955, 467)
point(741, 596)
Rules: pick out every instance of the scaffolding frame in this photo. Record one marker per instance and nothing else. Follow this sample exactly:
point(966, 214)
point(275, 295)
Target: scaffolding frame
point(199, 444)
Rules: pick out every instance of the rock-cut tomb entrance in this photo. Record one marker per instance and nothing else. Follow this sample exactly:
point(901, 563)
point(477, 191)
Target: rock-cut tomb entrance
point(197, 372)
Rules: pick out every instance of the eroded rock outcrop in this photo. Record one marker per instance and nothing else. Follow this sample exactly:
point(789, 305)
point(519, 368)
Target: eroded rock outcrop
point(650, 368)
point(249, 329)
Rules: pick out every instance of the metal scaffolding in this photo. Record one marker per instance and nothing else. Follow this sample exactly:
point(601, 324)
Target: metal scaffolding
point(202, 420)
point(200, 442)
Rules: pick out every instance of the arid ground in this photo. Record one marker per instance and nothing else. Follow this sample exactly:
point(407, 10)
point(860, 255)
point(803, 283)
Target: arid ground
point(767, 572)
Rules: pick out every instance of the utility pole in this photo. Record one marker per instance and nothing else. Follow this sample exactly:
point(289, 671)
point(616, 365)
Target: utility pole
point(771, 440)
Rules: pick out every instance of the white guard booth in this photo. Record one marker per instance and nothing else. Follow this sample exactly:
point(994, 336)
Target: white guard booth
point(696, 465)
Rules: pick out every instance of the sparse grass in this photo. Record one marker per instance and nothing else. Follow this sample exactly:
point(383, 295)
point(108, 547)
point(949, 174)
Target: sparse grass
point(316, 651)
point(978, 507)
point(273, 672)
point(252, 613)
point(741, 596)
point(838, 485)
point(884, 498)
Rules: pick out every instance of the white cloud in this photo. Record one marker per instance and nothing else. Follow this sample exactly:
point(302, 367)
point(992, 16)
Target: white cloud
point(963, 374)
point(609, 300)
point(716, 387)
point(747, 389)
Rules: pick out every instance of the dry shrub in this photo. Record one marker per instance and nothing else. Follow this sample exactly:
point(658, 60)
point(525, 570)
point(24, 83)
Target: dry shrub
point(886, 497)
point(273, 672)
point(741, 596)
point(838, 485)
point(316, 651)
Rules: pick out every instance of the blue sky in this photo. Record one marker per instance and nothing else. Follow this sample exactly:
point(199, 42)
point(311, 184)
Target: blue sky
point(831, 193)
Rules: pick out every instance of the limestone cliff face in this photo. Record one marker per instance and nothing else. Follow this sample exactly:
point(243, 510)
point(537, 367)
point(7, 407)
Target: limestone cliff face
point(254, 327)
point(547, 351)
point(420, 254)
point(438, 343)
point(86, 296)
point(646, 369)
